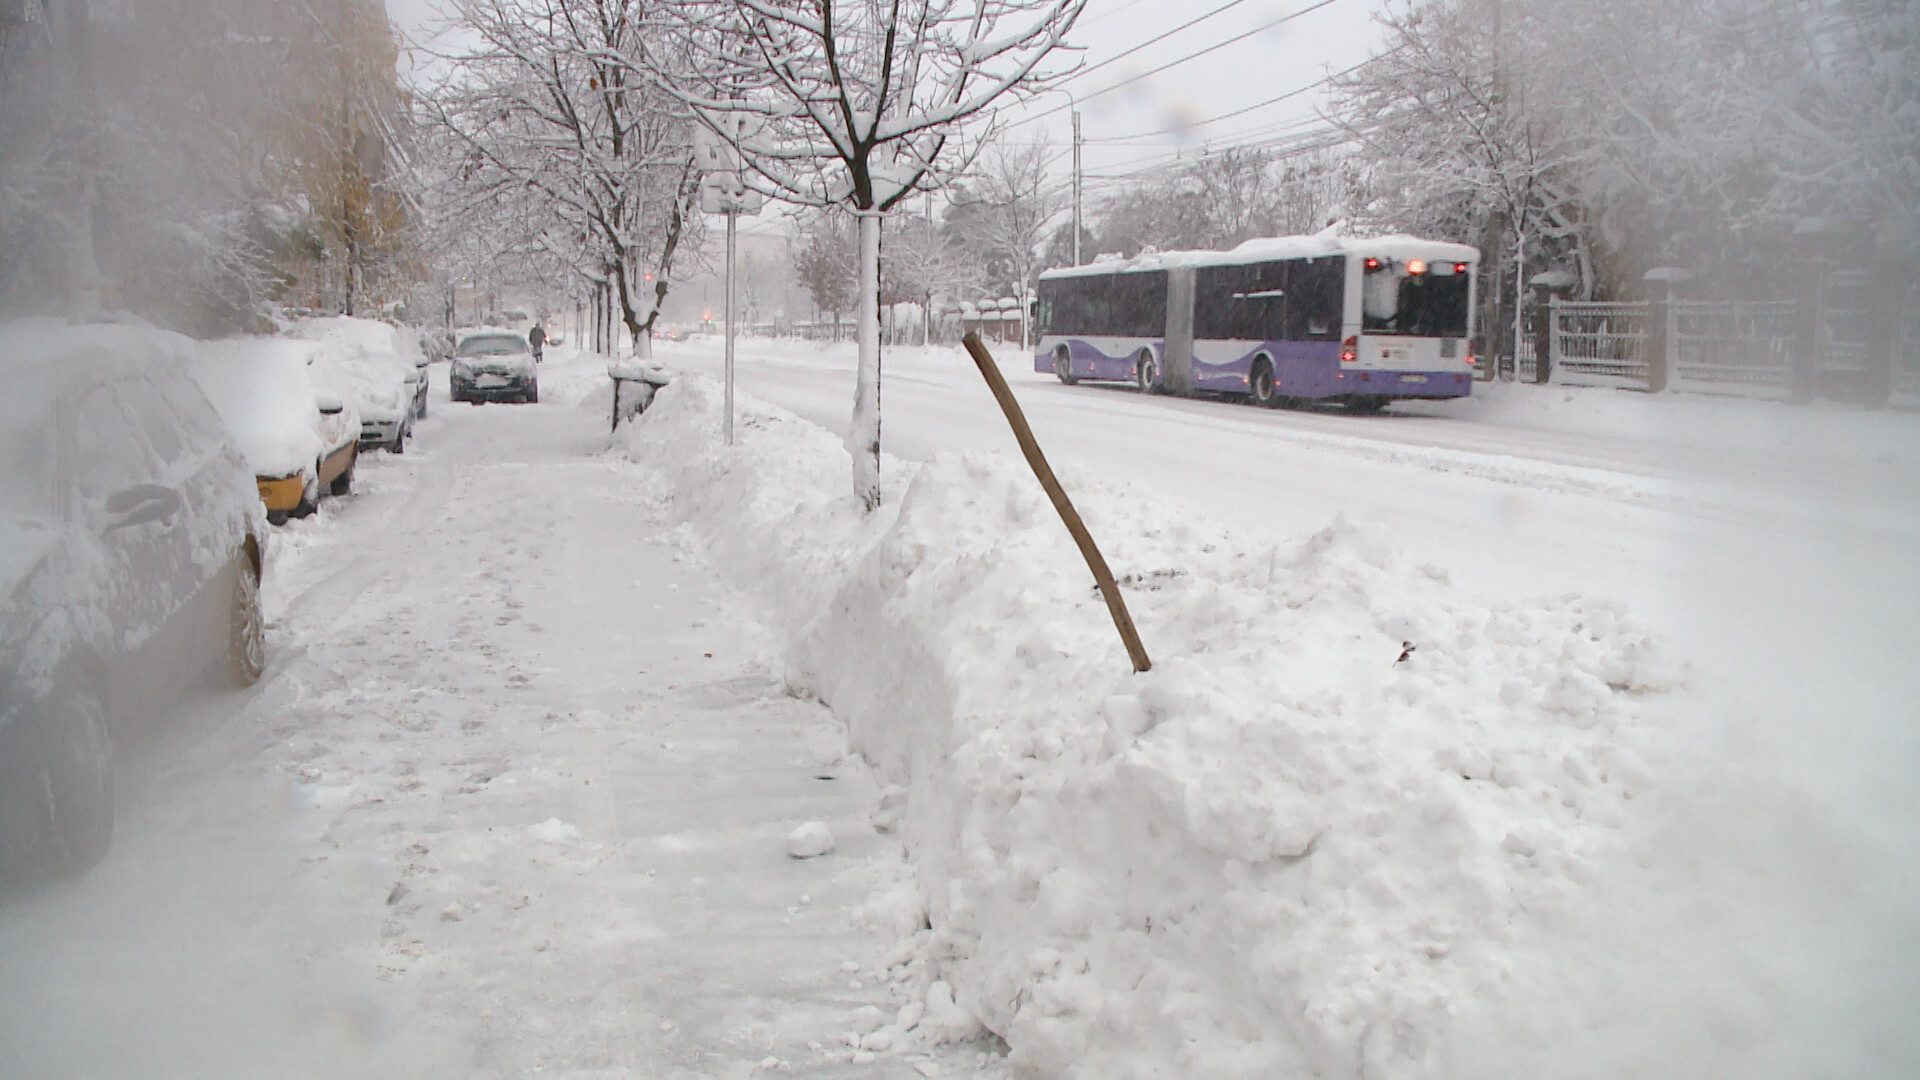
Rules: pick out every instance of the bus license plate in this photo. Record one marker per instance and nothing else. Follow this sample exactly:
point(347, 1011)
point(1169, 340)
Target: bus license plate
point(1413, 378)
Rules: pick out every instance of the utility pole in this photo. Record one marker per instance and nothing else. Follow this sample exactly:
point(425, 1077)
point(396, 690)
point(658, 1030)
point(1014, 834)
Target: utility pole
point(1076, 187)
point(723, 192)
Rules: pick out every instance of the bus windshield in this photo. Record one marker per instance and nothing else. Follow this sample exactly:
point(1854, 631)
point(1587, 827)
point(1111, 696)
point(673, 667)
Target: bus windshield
point(1416, 305)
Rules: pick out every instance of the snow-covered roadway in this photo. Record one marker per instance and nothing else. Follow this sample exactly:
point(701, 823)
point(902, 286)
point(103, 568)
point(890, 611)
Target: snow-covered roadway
point(513, 800)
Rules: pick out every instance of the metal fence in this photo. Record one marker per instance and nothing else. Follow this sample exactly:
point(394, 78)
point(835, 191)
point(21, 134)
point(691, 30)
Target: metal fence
point(1850, 337)
point(1599, 343)
point(1738, 347)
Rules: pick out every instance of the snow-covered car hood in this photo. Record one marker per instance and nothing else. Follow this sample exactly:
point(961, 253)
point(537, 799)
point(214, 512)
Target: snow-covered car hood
point(379, 361)
point(381, 391)
point(265, 390)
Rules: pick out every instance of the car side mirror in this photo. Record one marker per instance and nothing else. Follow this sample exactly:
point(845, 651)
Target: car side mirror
point(328, 404)
point(140, 504)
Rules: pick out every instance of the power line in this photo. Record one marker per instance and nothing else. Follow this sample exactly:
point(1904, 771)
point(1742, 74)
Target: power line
point(1110, 14)
point(1171, 63)
point(1153, 40)
point(1272, 100)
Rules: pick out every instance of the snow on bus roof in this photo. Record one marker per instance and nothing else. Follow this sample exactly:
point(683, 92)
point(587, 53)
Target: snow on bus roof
point(1266, 249)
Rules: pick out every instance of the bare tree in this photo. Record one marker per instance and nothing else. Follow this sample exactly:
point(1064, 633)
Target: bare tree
point(1621, 136)
point(925, 267)
point(136, 136)
point(854, 103)
point(1011, 188)
point(827, 260)
point(545, 115)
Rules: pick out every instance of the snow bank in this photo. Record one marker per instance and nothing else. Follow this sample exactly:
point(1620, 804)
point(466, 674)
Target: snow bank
point(1298, 846)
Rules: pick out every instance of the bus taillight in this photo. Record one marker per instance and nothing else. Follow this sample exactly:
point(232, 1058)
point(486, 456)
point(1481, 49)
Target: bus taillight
point(1350, 350)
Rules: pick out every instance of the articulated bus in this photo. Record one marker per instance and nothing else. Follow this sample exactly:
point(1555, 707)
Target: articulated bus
point(1284, 320)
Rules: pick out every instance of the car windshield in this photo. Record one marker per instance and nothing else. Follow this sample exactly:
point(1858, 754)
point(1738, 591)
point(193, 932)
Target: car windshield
point(493, 345)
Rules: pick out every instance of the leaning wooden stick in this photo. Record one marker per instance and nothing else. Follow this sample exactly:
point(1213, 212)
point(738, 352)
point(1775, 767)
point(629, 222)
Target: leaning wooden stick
point(1116, 604)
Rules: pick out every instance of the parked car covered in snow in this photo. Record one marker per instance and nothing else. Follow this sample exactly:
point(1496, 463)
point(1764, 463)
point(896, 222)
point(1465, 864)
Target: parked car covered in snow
point(494, 365)
point(387, 371)
point(131, 544)
point(286, 402)
point(436, 343)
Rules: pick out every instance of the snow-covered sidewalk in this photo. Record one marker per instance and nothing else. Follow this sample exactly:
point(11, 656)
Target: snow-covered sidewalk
point(515, 800)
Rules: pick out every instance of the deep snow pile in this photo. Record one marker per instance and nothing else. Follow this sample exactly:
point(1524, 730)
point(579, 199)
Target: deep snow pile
point(1296, 846)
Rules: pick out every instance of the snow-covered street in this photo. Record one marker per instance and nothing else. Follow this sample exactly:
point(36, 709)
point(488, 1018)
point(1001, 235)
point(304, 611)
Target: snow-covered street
point(513, 800)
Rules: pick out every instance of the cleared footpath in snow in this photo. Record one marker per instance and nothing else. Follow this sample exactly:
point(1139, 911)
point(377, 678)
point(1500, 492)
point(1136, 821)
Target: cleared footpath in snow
point(513, 800)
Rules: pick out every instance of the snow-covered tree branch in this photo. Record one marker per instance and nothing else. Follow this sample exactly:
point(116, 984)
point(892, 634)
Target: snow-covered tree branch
point(854, 103)
point(546, 124)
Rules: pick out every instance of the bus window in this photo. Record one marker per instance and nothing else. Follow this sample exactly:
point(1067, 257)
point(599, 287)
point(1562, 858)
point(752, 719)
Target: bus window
point(1394, 301)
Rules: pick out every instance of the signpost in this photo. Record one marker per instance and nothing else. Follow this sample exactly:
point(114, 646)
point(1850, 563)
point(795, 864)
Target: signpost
point(723, 192)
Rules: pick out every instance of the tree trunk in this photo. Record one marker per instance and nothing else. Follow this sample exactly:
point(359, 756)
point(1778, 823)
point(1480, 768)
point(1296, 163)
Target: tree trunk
point(863, 435)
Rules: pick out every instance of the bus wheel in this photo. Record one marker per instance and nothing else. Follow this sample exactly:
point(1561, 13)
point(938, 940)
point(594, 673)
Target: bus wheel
point(1146, 375)
point(1260, 385)
point(1063, 366)
point(1365, 404)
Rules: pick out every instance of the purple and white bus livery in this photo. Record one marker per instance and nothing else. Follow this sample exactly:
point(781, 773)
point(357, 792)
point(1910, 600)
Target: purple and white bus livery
point(1280, 320)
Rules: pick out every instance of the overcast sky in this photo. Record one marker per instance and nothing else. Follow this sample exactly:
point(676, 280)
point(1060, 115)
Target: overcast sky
point(1133, 116)
point(1149, 115)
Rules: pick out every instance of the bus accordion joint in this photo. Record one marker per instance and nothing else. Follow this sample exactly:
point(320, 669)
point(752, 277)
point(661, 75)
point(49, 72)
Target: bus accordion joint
point(1350, 350)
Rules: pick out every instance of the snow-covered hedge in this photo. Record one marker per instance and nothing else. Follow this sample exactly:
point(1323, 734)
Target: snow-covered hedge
point(1298, 846)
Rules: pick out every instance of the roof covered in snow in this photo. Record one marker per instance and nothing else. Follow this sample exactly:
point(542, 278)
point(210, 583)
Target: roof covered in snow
point(1270, 248)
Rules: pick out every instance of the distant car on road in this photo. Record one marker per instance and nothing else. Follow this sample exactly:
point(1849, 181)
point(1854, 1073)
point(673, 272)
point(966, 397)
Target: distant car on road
point(131, 548)
point(494, 365)
point(286, 402)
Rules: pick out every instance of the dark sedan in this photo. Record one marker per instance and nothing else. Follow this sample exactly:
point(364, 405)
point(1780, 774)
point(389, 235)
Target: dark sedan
point(494, 365)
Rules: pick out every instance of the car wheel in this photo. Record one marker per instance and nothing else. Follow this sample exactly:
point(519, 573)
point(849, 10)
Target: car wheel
point(533, 395)
point(343, 484)
point(58, 797)
point(249, 626)
point(277, 517)
point(1260, 385)
point(309, 501)
point(420, 413)
point(399, 443)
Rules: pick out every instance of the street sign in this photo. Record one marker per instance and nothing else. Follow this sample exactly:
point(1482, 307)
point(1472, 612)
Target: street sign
point(724, 193)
